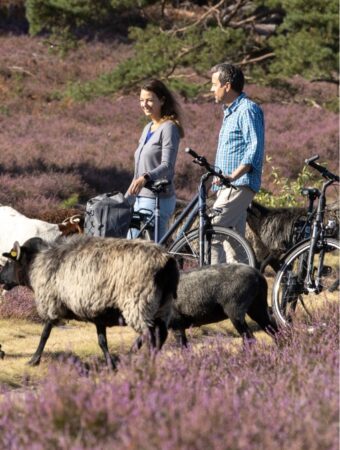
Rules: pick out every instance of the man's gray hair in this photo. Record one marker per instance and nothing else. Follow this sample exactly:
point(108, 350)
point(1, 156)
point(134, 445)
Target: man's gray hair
point(230, 74)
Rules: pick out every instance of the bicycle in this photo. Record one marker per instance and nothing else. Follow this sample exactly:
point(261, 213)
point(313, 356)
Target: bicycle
point(311, 268)
point(192, 247)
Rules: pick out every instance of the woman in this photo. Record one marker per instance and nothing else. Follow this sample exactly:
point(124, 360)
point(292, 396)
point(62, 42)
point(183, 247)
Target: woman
point(156, 153)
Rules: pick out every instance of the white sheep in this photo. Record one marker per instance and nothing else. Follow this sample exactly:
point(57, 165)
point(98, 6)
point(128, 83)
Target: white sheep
point(15, 226)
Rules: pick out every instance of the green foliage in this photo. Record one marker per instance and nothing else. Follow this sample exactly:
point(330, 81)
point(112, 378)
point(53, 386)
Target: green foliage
point(71, 201)
point(185, 88)
point(158, 53)
point(306, 43)
point(55, 15)
point(288, 191)
point(126, 4)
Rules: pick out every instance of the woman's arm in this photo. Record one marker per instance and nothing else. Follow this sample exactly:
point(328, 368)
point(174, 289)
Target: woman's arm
point(170, 144)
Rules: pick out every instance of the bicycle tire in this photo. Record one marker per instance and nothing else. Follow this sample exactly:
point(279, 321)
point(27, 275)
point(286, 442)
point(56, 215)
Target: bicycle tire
point(186, 249)
point(290, 293)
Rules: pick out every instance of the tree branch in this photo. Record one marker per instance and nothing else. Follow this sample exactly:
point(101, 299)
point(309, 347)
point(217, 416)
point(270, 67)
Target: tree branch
point(210, 11)
point(246, 61)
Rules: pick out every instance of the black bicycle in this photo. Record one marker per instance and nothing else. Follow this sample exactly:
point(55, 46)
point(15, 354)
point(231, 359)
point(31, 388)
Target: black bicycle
point(194, 247)
point(309, 274)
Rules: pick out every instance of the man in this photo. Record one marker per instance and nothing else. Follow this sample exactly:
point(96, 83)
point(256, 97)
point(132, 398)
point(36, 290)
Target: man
point(240, 152)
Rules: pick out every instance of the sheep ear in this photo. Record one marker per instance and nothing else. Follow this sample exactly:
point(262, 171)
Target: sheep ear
point(16, 251)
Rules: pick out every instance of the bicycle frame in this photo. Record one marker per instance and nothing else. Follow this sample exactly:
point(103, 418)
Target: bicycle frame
point(197, 206)
point(313, 285)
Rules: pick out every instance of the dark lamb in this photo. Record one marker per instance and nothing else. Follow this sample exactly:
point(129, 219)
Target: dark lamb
point(214, 293)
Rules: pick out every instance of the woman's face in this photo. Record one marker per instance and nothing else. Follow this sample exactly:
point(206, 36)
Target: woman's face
point(150, 104)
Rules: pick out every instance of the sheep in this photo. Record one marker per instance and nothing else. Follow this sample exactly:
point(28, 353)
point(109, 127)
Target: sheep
point(213, 293)
point(15, 226)
point(96, 280)
point(271, 231)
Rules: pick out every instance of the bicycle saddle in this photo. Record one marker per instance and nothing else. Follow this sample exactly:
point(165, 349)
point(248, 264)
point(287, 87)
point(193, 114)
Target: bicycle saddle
point(158, 185)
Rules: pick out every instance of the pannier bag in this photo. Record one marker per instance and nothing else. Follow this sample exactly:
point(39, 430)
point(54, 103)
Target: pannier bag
point(107, 215)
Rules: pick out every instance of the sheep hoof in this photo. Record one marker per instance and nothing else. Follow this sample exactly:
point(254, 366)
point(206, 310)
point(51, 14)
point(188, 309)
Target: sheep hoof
point(2, 353)
point(112, 363)
point(34, 362)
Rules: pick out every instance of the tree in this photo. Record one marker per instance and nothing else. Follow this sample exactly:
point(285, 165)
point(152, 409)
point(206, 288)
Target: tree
point(268, 38)
point(306, 43)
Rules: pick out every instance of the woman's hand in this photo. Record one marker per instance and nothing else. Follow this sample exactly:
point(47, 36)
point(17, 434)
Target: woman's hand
point(137, 185)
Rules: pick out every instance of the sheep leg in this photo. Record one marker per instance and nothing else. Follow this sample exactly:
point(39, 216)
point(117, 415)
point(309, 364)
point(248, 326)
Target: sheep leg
point(137, 344)
point(260, 313)
point(35, 360)
point(181, 337)
point(102, 341)
point(244, 331)
point(158, 334)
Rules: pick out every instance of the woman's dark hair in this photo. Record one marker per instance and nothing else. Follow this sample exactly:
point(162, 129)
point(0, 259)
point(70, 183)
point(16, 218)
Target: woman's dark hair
point(170, 108)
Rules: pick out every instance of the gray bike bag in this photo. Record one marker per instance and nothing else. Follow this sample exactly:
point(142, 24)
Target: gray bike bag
point(108, 215)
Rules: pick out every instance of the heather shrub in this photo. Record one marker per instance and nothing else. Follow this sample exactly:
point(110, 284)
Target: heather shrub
point(19, 304)
point(57, 153)
point(35, 195)
point(209, 396)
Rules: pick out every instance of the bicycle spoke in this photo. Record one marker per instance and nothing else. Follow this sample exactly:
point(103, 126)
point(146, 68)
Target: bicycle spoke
point(295, 296)
point(186, 249)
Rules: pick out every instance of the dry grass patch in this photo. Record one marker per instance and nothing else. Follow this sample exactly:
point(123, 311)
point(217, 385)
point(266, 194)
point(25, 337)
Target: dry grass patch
point(78, 340)
point(20, 339)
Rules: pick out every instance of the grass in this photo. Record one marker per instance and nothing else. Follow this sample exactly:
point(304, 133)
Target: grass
point(19, 339)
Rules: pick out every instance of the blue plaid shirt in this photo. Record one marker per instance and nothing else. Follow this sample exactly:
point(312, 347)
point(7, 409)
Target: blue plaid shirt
point(241, 141)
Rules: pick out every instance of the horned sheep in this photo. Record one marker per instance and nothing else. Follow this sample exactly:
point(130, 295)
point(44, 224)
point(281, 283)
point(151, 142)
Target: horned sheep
point(15, 226)
point(96, 280)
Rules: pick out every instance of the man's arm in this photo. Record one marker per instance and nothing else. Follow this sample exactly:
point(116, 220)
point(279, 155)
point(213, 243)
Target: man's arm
point(252, 124)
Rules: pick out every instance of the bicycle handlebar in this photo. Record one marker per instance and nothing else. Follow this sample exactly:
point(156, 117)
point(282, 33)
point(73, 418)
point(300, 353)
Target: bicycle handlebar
point(201, 160)
point(324, 172)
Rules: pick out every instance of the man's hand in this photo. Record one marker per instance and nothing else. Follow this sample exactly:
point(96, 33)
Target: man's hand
point(241, 170)
point(136, 186)
point(217, 182)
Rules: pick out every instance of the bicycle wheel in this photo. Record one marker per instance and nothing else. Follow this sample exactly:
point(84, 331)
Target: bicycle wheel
point(291, 298)
point(234, 248)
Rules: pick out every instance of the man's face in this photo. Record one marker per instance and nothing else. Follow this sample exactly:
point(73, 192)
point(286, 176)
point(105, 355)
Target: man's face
point(220, 92)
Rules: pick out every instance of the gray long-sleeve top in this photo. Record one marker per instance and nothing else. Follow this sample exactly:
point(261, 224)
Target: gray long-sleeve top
point(157, 157)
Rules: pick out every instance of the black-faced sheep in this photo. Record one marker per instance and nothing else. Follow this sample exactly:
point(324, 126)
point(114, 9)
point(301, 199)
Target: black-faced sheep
point(214, 293)
point(96, 280)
